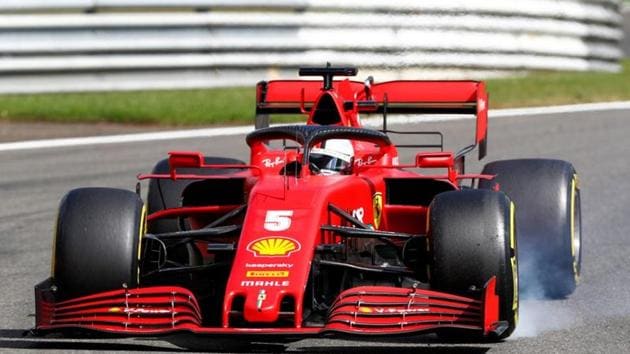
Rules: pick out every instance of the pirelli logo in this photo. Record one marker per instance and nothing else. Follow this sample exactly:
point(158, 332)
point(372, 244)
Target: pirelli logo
point(267, 274)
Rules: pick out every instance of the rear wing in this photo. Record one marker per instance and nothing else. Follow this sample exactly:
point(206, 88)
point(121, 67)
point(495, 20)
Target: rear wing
point(392, 97)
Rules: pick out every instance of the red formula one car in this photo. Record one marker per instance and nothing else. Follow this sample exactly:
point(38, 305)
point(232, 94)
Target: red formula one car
point(325, 231)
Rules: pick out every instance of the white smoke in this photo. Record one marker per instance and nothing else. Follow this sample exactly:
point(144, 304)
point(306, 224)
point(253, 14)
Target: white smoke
point(537, 314)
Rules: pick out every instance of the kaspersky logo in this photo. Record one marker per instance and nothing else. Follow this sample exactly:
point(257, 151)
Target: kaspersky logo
point(273, 246)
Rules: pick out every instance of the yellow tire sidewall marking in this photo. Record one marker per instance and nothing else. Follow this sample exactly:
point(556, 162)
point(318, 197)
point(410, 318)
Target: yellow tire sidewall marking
point(574, 187)
point(513, 262)
point(53, 259)
point(142, 230)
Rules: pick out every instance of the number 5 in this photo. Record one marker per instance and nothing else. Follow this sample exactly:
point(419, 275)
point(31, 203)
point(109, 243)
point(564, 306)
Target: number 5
point(278, 220)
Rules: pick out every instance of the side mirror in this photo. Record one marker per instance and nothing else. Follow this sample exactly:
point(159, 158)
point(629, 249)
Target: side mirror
point(184, 159)
point(435, 160)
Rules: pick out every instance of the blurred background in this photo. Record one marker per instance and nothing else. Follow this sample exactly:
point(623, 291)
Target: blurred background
point(566, 51)
point(80, 68)
point(79, 45)
point(625, 10)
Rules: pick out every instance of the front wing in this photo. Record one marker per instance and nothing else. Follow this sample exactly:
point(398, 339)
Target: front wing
point(366, 310)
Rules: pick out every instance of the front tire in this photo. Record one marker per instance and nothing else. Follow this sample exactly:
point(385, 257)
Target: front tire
point(97, 241)
point(471, 239)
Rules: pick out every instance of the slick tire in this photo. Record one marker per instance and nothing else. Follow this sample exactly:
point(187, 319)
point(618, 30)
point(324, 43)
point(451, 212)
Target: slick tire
point(471, 239)
point(166, 193)
point(547, 198)
point(97, 239)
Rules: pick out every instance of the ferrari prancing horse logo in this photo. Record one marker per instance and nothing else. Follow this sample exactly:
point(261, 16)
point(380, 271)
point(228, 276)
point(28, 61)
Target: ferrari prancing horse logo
point(377, 205)
point(273, 246)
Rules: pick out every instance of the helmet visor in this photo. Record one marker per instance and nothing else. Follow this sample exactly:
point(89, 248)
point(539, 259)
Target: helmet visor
point(327, 162)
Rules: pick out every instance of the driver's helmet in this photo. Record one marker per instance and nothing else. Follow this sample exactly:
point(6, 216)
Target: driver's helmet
point(333, 158)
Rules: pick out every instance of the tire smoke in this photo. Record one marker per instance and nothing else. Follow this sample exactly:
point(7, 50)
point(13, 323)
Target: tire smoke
point(538, 313)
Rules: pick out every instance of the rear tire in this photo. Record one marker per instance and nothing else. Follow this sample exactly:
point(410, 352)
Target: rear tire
point(471, 240)
point(97, 241)
point(547, 197)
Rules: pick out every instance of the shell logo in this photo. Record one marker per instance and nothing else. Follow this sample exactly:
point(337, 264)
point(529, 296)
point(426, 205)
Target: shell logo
point(273, 247)
point(364, 309)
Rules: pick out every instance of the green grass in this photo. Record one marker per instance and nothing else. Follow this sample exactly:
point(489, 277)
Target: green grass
point(554, 88)
point(186, 107)
point(236, 105)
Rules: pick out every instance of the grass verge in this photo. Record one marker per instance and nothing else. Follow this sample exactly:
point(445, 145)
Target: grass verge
point(236, 105)
point(556, 88)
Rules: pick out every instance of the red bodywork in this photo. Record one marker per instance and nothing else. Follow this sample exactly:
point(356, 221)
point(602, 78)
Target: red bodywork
point(290, 216)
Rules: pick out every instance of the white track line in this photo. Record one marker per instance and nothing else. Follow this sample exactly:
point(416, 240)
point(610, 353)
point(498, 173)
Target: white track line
point(210, 132)
point(124, 138)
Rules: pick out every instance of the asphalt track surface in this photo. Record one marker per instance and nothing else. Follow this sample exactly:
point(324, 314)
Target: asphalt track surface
point(596, 319)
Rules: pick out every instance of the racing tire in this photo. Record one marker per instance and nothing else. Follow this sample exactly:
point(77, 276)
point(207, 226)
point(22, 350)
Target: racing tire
point(547, 197)
point(167, 193)
point(471, 239)
point(97, 241)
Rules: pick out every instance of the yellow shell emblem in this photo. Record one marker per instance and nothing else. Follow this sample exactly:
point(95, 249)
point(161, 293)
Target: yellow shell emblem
point(273, 247)
point(364, 309)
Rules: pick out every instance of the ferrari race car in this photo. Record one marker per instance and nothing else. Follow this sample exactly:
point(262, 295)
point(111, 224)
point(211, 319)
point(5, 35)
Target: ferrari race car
point(323, 232)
